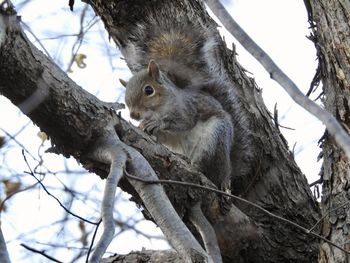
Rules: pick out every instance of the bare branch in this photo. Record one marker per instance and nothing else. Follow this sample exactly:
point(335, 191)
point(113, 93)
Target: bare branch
point(327, 214)
point(111, 152)
point(162, 211)
point(92, 241)
point(26, 27)
point(80, 36)
point(41, 253)
point(207, 232)
point(332, 125)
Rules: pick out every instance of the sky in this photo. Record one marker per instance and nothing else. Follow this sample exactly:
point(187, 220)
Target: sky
point(279, 27)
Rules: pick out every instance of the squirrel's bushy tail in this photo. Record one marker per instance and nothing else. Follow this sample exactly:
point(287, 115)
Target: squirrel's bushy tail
point(183, 50)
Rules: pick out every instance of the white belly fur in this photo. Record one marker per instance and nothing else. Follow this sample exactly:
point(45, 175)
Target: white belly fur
point(193, 142)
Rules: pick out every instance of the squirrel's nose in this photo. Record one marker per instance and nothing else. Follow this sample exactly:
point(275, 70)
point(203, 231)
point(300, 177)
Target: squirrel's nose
point(135, 115)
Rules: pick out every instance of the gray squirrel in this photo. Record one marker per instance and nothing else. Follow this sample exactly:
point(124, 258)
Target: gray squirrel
point(186, 55)
point(180, 94)
point(187, 121)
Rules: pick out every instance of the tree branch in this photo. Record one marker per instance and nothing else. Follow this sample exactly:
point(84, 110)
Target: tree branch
point(162, 211)
point(41, 253)
point(333, 126)
point(207, 232)
point(110, 151)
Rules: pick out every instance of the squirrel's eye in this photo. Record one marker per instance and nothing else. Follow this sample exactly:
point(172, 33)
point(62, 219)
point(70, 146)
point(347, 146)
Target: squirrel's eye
point(148, 90)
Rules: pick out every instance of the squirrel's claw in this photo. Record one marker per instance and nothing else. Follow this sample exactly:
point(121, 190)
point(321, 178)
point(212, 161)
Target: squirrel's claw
point(151, 126)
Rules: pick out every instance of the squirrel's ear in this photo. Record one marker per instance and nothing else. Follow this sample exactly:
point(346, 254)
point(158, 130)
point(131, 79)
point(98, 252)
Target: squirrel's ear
point(153, 70)
point(123, 82)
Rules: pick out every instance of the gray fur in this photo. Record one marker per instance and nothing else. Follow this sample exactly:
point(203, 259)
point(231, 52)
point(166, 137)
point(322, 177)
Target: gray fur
point(189, 122)
point(180, 66)
point(196, 67)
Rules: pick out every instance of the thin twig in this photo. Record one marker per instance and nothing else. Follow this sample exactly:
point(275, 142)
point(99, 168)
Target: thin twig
point(307, 231)
point(12, 137)
point(332, 125)
point(318, 181)
point(54, 197)
point(126, 226)
point(327, 213)
point(41, 253)
point(81, 35)
point(26, 27)
point(92, 241)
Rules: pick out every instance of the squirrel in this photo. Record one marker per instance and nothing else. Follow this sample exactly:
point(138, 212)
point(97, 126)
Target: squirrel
point(189, 122)
point(186, 56)
point(180, 94)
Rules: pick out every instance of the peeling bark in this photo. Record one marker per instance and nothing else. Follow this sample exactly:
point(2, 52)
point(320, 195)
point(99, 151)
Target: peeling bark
point(330, 23)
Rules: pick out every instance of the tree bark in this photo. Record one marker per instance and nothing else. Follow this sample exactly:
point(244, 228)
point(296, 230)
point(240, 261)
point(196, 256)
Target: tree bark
point(330, 22)
point(74, 120)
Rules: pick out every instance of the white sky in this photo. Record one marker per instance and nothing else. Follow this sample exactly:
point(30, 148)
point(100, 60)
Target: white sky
point(279, 27)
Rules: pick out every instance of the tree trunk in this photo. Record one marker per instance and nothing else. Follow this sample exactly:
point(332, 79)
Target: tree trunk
point(74, 120)
point(330, 21)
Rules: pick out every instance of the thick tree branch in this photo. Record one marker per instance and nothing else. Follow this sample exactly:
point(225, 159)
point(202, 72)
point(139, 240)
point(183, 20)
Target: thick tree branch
point(333, 126)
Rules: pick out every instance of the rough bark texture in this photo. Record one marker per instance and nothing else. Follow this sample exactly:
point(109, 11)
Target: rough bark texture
point(74, 120)
point(146, 256)
point(330, 21)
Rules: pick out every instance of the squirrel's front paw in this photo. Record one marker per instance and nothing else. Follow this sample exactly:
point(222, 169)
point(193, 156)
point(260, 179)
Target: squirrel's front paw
point(151, 126)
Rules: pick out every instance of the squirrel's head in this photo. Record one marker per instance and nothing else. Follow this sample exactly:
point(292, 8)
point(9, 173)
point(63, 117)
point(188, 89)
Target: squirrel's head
point(147, 91)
